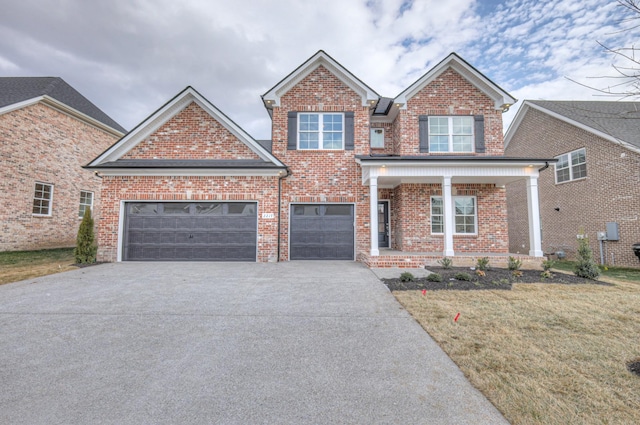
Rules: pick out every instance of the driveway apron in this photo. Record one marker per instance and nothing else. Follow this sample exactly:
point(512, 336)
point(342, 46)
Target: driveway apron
point(223, 343)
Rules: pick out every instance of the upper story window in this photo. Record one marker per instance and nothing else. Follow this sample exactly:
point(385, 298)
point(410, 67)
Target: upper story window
point(42, 199)
point(451, 134)
point(377, 137)
point(571, 166)
point(320, 131)
point(86, 202)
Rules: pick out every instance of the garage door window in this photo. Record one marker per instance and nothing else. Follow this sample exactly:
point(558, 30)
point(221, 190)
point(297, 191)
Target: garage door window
point(146, 209)
point(176, 209)
point(338, 210)
point(309, 210)
point(209, 209)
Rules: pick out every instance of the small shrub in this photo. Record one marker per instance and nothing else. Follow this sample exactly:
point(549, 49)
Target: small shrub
point(499, 282)
point(546, 275)
point(514, 263)
point(434, 277)
point(516, 274)
point(463, 276)
point(85, 250)
point(482, 263)
point(586, 266)
point(446, 263)
point(548, 264)
point(480, 273)
point(406, 277)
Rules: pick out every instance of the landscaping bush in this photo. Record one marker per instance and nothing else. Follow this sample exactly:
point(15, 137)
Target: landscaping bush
point(434, 277)
point(514, 263)
point(463, 276)
point(586, 266)
point(482, 263)
point(446, 263)
point(86, 249)
point(548, 264)
point(406, 277)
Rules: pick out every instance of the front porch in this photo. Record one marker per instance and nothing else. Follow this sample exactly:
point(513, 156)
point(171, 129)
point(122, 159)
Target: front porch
point(391, 258)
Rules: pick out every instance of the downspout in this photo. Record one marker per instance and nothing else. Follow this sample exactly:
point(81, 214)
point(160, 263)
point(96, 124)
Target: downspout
point(288, 173)
point(546, 165)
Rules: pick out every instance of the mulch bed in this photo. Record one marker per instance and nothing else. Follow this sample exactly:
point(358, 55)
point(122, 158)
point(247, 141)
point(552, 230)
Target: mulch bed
point(494, 278)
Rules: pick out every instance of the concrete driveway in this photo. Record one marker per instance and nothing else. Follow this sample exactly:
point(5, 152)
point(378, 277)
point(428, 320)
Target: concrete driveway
point(223, 343)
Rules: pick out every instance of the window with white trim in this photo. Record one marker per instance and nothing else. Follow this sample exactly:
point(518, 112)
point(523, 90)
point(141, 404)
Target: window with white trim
point(571, 166)
point(451, 134)
point(464, 211)
point(437, 215)
point(377, 137)
point(86, 201)
point(42, 199)
point(320, 131)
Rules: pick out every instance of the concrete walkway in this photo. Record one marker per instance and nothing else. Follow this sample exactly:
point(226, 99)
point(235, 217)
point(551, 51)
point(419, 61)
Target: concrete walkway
point(223, 343)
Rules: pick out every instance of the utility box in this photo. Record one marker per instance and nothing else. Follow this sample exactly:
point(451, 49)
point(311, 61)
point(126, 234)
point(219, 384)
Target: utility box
point(612, 231)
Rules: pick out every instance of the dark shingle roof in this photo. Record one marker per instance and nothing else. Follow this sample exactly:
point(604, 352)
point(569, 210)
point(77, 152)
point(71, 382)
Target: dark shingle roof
point(617, 119)
point(19, 89)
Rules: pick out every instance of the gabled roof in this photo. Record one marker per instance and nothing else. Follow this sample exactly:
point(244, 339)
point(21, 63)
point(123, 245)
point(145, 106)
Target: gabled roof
point(502, 99)
point(272, 96)
point(618, 122)
point(111, 157)
point(18, 92)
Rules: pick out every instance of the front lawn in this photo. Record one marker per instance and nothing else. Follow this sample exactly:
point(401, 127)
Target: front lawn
point(20, 265)
point(620, 273)
point(542, 353)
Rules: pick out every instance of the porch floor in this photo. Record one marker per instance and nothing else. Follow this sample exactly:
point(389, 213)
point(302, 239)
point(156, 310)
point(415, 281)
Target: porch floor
point(391, 258)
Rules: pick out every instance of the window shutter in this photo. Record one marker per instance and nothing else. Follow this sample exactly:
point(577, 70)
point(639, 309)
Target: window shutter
point(479, 133)
point(423, 132)
point(348, 131)
point(292, 131)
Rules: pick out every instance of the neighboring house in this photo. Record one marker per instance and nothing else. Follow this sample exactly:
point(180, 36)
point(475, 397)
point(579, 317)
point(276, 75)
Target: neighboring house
point(48, 131)
point(347, 175)
point(595, 181)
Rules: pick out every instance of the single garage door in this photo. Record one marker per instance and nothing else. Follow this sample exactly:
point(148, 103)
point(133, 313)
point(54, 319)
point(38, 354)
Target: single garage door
point(195, 231)
point(321, 232)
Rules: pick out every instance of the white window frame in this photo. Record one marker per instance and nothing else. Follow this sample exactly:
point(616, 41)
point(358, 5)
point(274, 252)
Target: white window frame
point(376, 130)
point(453, 199)
point(450, 133)
point(437, 215)
point(82, 207)
point(320, 131)
point(570, 165)
point(40, 199)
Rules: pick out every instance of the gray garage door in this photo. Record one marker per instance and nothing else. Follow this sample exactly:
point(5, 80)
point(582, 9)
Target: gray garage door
point(195, 231)
point(321, 232)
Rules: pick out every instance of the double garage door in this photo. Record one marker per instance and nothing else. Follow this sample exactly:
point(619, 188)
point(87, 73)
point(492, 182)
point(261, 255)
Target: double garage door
point(227, 231)
point(196, 231)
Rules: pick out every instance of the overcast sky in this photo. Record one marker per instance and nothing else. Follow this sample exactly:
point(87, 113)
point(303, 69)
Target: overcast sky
point(131, 56)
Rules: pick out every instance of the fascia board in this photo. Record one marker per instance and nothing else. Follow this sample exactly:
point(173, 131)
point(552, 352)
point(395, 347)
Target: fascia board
point(174, 172)
point(499, 96)
point(63, 108)
point(273, 96)
point(577, 124)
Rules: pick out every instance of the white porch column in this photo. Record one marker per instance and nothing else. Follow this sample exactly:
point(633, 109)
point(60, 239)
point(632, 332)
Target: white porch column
point(535, 243)
point(373, 220)
point(447, 205)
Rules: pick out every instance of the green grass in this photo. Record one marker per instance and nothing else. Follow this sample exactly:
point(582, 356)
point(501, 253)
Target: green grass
point(621, 273)
point(20, 265)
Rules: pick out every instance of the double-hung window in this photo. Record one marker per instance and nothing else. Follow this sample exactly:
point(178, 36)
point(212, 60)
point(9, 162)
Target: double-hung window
point(451, 134)
point(320, 131)
point(571, 166)
point(42, 199)
point(86, 202)
point(464, 211)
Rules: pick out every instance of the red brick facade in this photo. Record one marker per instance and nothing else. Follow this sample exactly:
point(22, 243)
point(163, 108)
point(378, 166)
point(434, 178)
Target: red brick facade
point(321, 176)
point(41, 144)
point(609, 193)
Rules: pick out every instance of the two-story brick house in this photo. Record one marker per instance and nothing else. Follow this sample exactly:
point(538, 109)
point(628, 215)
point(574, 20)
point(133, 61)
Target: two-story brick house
point(348, 174)
point(48, 131)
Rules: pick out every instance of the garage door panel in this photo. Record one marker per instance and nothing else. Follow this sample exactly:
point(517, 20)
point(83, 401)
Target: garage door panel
point(191, 232)
point(322, 232)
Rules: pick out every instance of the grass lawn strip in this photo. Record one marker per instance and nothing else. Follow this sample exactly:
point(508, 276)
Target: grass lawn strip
point(21, 265)
point(542, 353)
